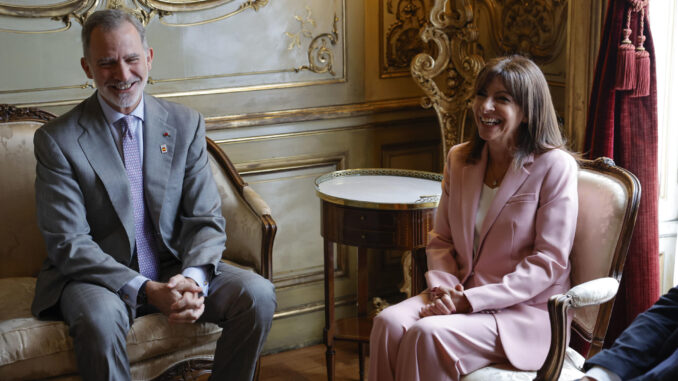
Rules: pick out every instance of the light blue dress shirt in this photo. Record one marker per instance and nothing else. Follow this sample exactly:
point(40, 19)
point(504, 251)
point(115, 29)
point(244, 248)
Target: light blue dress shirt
point(130, 290)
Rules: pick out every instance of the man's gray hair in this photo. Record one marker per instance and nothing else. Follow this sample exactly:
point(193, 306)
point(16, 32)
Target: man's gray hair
point(109, 19)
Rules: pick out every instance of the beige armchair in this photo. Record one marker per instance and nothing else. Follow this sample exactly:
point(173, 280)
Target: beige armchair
point(608, 203)
point(36, 349)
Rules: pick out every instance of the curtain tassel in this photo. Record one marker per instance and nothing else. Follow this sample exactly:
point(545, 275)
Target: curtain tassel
point(642, 63)
point(626, 64)
point(626, 59)
point(642, 73)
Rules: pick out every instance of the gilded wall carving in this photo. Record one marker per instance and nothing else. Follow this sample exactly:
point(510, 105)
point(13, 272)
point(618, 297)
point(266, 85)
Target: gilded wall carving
point(400, 42)
point(535, 28)
point(320, 49)
point(447, 78)
point(59, 12)
point(145, 10)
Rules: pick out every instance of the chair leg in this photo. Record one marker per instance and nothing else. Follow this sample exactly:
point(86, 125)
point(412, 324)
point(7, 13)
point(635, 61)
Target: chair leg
point(361, 359)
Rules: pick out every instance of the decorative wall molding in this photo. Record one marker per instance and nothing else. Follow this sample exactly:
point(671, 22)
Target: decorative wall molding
point(305, 24)
point(349, 300)
point(536, 29)
point(412, 154)
point(62, 12)
point(285, 169)
point(289, 135)
point(222, 90)
point(337, 160)
point(197, 71)
point(167, 8)
point(313, 113)
point(400, 42)
point(320, 55)
point(453, 31)
point(57, 9)
point(65, 11)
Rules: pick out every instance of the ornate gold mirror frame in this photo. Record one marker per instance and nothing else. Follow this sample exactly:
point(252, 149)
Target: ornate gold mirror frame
point(62, 12)
point(145, 10)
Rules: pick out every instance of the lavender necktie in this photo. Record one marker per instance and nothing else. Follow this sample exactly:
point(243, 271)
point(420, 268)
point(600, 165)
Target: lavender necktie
point(146, 249)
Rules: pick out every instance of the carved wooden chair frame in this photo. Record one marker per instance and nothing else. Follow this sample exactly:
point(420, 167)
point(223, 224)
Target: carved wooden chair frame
point(559, 305)
point(191, 368)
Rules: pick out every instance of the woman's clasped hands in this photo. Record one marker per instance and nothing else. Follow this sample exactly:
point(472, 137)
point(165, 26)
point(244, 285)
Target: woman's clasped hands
point(445, 301)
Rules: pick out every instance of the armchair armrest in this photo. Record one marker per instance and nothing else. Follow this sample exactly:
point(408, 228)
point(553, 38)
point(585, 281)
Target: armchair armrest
point(593, 292)
point(257, 203)
point(597, 291)
point(250, 229)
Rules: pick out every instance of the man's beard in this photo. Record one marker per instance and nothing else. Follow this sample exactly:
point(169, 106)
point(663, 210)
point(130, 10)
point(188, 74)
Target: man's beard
point(124, 101)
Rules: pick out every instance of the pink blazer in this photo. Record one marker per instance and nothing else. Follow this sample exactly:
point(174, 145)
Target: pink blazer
point(523, 253)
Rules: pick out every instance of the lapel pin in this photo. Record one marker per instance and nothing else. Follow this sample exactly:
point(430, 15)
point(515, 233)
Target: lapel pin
point(163, 148)
point(165, 134)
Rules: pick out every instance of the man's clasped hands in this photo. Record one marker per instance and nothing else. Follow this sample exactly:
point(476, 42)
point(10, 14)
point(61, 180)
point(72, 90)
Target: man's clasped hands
point(445, 300)
point(180, 299)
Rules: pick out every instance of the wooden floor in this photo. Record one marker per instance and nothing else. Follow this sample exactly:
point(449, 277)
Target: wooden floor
point(308, 364)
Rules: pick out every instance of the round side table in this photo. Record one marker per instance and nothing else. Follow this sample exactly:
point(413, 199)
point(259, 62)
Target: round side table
point(389, 209)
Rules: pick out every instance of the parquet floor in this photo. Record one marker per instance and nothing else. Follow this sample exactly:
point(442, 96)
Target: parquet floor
point(308, 364)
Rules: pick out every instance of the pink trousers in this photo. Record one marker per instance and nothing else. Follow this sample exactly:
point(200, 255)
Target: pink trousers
point(405, 347)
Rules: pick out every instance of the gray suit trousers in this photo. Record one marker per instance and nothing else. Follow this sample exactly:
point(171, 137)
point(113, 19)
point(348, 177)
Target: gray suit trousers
point(241, 302)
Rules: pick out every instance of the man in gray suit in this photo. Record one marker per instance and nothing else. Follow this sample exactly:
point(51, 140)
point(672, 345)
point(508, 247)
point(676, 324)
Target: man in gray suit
point(131, 217)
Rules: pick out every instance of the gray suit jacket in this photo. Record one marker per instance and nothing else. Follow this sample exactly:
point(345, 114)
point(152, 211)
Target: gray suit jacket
point(84, 204)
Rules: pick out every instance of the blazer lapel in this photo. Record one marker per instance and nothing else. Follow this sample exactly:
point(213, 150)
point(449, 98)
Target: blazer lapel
point(159, 138)
point(513, 179)
point(101, 151)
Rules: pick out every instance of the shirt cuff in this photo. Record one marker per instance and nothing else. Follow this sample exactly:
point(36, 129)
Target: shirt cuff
point(130, 290)
point(602, 374)
point(199, 275)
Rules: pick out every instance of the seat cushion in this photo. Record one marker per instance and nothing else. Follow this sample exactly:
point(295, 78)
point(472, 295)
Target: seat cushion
point(505, 372)
point(32, 348)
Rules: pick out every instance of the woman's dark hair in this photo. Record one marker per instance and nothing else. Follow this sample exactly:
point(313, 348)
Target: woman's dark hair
point(527, 85)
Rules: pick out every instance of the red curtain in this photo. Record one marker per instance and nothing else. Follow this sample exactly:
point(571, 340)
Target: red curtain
point(624, 128)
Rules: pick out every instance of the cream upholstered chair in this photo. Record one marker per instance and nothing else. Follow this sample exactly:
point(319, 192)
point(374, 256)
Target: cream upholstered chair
point(608, 196)
point(39, 349)
point(608, 203)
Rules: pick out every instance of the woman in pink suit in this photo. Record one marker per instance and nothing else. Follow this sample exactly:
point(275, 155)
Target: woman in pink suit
point(500, 246)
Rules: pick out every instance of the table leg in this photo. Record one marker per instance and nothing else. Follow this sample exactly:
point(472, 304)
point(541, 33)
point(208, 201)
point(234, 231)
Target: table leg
point(418, 268)
point(362, 281)
point(362, 302)
point(329, 307)
point(361, 356)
